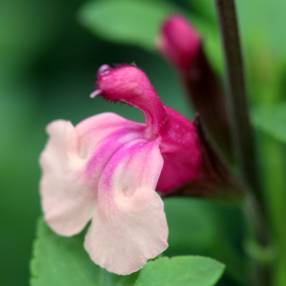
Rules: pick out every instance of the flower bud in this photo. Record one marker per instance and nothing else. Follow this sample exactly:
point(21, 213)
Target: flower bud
point(182, 45)
point(179, 42)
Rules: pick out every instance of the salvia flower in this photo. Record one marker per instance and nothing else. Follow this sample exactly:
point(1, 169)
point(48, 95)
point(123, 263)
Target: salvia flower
point(107, 170)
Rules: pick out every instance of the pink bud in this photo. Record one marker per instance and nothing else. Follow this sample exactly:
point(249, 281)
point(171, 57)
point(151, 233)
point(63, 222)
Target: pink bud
point(182, 45)
point(179, 42)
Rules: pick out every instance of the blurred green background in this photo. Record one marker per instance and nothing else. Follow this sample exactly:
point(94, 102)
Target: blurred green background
point(48, 62)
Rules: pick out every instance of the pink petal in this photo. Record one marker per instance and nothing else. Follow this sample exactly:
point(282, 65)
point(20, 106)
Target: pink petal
point(93, 130)
point(129, 225)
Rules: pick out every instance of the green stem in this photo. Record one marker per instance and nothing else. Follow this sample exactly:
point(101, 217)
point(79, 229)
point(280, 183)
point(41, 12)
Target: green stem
point(267, 87)
point(242, 133)
point(276, 198)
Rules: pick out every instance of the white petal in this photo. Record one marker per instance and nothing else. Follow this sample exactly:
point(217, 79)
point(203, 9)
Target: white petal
point(66, 201)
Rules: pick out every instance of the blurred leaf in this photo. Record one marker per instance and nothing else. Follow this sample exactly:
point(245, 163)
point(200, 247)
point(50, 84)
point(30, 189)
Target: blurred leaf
point(206, 8)
point(63, 261)
point(264, 20)
point(260, 20)
point(192, 224)
point(197, 227)
point(126, 21)
point(26, 29)
point(272, 120)
point(19, 148)
point(262, 31)
point(184, 270)
point(261, 24)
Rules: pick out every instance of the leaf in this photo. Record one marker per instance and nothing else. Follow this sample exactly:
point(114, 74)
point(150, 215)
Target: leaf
point(25, 29)
point(193, 226)
point(63, 261)
point(200, 227)
point(272, 120)
point(126, 21)
point(181, 270)
point(205, 8)
point(261, 22)
point(266, 24)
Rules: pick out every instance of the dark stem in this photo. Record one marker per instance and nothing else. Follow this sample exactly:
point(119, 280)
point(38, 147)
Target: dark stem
point(242, 133)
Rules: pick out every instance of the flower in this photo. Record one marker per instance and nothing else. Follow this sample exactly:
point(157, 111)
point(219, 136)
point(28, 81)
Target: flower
point(107, 170)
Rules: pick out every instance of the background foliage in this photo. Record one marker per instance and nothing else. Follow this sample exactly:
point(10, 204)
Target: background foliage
point(49, 53)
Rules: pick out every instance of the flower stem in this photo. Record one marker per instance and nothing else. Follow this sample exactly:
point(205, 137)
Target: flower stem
point(242, 133)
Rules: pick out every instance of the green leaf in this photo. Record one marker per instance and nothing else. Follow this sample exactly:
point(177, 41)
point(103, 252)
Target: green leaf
point(126, 21)
point(272, 120)
point(181, 270)
point(253, 25)
point(193, 226)
point(63, 261)
point(199, 227)
point(205, 8)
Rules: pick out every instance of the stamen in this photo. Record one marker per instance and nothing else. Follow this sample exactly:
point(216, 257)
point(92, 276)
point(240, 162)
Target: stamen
point(95, 93)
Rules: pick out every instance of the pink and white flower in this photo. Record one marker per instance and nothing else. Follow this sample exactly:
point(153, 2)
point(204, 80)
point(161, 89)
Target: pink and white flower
point(107, 169)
